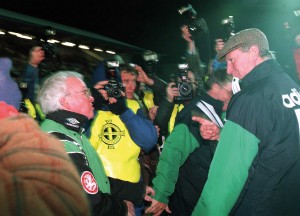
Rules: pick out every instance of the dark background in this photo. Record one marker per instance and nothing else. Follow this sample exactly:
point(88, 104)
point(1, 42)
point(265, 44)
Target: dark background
point(155, 24)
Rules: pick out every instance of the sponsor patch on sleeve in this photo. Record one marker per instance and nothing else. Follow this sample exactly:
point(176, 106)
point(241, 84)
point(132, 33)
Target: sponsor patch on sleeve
point(89, 182)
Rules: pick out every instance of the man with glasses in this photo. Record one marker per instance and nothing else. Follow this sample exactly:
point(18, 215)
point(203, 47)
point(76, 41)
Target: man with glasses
point(68, 105)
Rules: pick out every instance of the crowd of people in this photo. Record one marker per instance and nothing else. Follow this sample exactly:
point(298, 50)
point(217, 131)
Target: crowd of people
point(220, 141)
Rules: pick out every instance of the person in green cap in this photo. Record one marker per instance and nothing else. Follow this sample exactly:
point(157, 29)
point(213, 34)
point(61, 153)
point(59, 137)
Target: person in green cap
point(256, 166)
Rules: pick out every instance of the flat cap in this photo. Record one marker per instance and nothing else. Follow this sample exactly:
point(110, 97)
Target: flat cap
point(247, 37)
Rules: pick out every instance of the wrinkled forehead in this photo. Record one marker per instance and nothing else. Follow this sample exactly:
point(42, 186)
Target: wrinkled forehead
point(233, 54)
point(74, 83)
point(128, 75)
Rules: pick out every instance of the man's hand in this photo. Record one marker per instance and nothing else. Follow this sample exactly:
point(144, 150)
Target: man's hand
point(152, 112)
point(100, 87)
point(219, 45)
point(143, 77)
point(118, 107)
point(130, 208)
point(186, 33)
point(149, 191)
point(208, 129)
point(172, 92)
point(157, 208)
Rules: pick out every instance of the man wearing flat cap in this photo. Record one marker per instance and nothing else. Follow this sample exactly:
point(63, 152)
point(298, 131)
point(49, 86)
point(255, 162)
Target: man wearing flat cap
point(256, 166)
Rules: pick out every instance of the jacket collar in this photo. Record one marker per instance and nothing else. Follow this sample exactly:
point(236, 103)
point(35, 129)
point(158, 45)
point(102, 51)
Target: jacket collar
point(261, 71)
point(72, 121)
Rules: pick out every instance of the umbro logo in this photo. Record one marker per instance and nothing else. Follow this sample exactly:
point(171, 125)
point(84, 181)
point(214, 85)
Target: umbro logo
point(73, 121)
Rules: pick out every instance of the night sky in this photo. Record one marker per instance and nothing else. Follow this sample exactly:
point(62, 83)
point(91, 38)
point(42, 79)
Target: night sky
point(155, 24)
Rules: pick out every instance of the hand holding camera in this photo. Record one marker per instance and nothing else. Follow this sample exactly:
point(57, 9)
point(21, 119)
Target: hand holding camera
point(109, 90)
point(196, 24)
point(186, 33)
point(172, 91)
point(101, 96)
point(119, 107)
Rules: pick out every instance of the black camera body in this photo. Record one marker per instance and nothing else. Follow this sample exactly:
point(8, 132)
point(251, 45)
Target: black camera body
point(195, 24)
point(151, 60)
point(228, 24)
point(185, 88)
point(48, 49)
point(113, 88)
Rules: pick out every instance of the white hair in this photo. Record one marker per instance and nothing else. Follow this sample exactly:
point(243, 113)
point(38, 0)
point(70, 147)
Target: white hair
point(53, 88)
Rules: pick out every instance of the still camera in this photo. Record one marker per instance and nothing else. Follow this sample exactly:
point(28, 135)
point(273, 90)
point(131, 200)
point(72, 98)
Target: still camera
point(113, 88)
point(184, 87)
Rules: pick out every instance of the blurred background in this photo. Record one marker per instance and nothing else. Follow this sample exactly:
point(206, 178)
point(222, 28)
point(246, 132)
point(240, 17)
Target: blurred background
point(128, 28)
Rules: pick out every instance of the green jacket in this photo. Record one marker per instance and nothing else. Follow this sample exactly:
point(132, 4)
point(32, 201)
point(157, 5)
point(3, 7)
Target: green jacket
point(179, 145)
point(94, 161)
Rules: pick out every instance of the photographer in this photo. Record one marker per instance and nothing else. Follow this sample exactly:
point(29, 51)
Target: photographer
point(29, 82)
point(192, 55)
point(195, 32)
point(169, 107)
point(31, 72)
point(118, 133)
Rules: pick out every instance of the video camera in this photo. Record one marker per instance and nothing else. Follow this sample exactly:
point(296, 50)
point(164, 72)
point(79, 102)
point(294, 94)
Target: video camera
point(185, 88)
point(113, 88)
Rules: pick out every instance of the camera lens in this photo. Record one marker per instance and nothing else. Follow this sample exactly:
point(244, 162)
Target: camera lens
point(116, 93)
point(185, 89)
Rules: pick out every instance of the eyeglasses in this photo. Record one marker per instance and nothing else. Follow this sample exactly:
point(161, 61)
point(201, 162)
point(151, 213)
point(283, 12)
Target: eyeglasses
point(86, 92)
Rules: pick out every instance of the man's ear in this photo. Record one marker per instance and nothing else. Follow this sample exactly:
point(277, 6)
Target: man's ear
point(254, 50)
point(215, 87)
point(64, 103)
